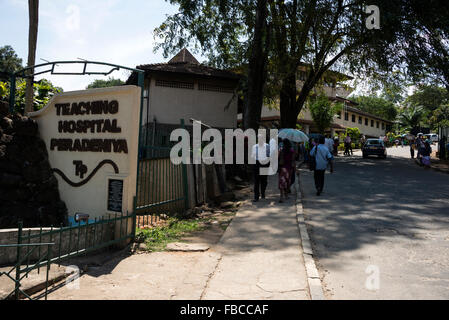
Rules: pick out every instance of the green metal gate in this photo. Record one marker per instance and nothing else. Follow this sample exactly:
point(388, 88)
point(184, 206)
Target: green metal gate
point(161, 185)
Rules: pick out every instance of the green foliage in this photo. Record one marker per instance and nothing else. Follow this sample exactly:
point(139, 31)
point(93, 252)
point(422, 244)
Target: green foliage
point(354, 133)
point(9, 61)
point(411, 116)
point(440, 116)
point(157, 238)
point(323, 111)
point(431, 97)
point(110, 82)
point(378, 106)
point(3, 90)
point(43, 92)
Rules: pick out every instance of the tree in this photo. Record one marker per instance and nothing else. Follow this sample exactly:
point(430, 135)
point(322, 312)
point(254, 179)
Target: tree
point(420, 44)
point(9, 61)
point(440, 116)
point(232, 34)
point(430, 97)
point(411, 116)
point(323, 112)
point(43, 91)
point(110, 82)
point(317, 34)
point(257, 70)
point(377, 106)
point(33, 10)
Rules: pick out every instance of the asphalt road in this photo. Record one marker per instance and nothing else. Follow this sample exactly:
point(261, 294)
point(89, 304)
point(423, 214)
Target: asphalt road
point(380, 229)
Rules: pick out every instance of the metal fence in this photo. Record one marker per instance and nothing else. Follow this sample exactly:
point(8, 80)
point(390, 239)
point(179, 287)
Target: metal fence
point(41, 249)
point(161, 185)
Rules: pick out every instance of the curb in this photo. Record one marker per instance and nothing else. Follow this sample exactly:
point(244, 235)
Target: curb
point(313, 277)
point(431, 167)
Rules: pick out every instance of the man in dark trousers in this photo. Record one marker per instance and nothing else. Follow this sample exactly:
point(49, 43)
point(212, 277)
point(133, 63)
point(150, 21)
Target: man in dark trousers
point(323, 158)
point(260, 153)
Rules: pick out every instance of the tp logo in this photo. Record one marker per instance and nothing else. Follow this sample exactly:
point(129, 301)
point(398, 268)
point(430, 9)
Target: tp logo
point(373, 20)
point(372, 282)
point(72, 282)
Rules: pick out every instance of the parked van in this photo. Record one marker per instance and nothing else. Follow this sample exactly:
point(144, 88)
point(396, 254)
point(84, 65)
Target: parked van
point(433, 137)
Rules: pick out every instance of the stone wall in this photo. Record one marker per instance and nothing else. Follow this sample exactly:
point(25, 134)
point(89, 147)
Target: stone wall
point(28, 188)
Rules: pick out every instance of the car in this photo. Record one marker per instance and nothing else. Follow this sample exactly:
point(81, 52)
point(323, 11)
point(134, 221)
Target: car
point(374, 147)
point(433, 137)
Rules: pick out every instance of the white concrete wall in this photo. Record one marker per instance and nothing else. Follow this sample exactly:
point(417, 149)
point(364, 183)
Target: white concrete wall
point(367, 130)
point(169, 105)
point(92, 197)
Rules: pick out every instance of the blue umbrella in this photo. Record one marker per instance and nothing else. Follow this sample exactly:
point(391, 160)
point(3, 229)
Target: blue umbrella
point(294, 135)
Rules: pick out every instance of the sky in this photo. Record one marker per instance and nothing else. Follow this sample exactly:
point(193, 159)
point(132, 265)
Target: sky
point(113, 31)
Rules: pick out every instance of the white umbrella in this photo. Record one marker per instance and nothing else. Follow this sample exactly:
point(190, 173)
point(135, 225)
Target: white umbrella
point(294, 135)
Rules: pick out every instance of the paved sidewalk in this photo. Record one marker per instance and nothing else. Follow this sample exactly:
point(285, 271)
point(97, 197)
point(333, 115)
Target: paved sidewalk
point(261, 253)
point(258, 257)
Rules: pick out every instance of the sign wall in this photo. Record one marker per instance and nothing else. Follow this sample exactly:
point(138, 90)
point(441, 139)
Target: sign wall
point(92, 141)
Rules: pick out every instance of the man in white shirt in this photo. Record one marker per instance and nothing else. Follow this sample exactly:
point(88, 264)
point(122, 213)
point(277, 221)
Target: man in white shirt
point(260, 153)
point(329, 143)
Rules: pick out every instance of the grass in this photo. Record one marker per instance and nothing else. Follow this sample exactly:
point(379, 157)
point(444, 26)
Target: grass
point(158, 237)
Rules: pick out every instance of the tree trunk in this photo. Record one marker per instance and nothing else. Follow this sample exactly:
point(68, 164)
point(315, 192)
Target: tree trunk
point(287, 101)
point(33, 8)
point(257, 69)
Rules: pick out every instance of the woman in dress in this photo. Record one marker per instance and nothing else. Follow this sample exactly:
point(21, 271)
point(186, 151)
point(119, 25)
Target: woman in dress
point(286, 164)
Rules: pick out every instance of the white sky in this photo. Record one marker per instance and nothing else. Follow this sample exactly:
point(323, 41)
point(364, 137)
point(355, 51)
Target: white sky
point(114, 31)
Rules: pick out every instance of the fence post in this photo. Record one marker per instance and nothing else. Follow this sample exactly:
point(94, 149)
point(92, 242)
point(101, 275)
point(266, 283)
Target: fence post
point(184, 178)
point(12, 93)
point(134, 218)
point(19, 242)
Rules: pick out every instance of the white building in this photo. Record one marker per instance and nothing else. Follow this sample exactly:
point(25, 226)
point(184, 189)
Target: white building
point(183, 88)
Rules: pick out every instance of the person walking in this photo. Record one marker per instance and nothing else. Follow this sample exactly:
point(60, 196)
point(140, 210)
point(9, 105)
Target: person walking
point(322, 158)
point(412, 148)
point(336, 144)
point(329, 144)
point(286, 166)
point(442, 148)
point(348, 146)
point(425, 159)
point(260, 153)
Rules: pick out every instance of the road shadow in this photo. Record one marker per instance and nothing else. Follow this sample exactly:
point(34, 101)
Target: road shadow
point(367, 201)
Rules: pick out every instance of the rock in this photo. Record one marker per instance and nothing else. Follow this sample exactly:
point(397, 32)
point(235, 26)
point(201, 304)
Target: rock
point(227, 204)
point(10, 180)
point(28, 188)
point(6, 139)
point(142, 247)
point(181, 246)
point(24, 126)
point(6, 124)
point(4, 109)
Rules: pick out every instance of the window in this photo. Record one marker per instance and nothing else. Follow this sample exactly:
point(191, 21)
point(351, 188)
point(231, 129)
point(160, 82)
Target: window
point(353, 118)
point(377, 124)
point(372, 123)
point(212, 87)
point(339, 115)
point(383, 126)
point(346, 116)
point(174, 84)
point(360, 120)
point(366, 121)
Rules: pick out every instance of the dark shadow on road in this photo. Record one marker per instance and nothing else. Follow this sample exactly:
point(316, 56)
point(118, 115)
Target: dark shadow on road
point(367, 201)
